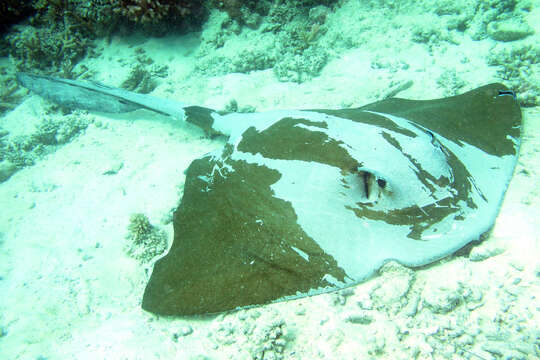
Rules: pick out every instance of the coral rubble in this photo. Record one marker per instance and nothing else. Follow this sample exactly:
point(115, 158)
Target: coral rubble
point(155, 11)
point(145, 241)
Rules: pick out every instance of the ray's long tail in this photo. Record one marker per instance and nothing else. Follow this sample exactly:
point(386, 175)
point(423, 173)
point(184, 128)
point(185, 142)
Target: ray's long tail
point(92, 96)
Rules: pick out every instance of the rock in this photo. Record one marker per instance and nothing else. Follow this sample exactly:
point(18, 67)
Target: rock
point(363, 318)
point(518, 265)
point(442, 298)
point(451, 82)
point(397, 87)
point(473, 298)
point(509, 30)
point(365, 303)
point(394, 284)
point(113, 168)
point(300, 311)
point(376, 344)
point(6, 170)
point(185, 330)
point(464, 340)
point(537, 270)
point(485, 251)
point(225, 332)
point(412, 306)
point(269, 340)
point(443, 301)
point(503, 350)
point(340, 297)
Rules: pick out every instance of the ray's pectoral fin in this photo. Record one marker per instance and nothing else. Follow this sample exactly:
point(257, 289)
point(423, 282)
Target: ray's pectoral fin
point(253, 250)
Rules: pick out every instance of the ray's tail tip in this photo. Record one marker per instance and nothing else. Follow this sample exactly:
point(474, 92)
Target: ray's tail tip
point(21, 77)
point(25, 79)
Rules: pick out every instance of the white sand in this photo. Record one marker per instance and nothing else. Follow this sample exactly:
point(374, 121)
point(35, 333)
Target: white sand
point(68, 290)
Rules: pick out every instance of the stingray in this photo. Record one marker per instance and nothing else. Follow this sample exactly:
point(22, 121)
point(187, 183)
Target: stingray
point(303, 202)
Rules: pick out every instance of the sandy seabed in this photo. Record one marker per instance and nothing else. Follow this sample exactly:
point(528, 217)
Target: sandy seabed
point(69, 291)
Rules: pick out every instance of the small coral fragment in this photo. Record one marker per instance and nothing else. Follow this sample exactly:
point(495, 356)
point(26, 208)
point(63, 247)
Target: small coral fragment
point(145, 240)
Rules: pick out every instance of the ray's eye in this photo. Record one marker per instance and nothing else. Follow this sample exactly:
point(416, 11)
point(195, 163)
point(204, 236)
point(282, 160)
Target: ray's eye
point(369, 185)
